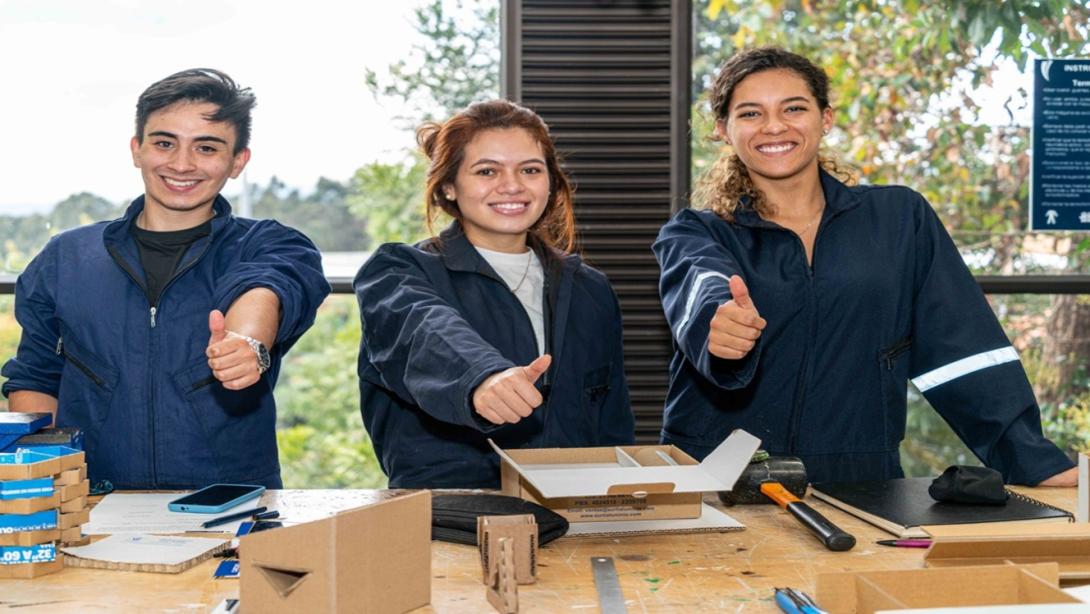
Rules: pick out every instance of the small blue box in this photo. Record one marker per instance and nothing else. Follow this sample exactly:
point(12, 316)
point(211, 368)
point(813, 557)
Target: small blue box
point(23, 423)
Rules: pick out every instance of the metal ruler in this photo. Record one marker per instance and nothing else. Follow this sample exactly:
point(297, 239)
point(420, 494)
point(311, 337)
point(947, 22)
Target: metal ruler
point(610, 599)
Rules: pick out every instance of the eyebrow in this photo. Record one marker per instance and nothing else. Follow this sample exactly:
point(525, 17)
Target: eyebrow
point(171, 135)
point(491, 161)
point(784, 101)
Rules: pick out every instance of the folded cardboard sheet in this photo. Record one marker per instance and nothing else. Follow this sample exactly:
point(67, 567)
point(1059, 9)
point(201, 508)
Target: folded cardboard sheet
point(623, 483)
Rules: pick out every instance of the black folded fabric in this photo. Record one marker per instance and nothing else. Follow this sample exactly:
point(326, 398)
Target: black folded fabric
point(454, 517)
point(965, 484)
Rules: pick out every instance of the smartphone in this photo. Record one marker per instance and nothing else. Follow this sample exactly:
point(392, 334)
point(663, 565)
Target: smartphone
point(215, 498)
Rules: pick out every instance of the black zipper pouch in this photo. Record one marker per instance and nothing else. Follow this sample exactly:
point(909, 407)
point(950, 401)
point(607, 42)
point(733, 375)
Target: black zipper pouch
point(454, 517)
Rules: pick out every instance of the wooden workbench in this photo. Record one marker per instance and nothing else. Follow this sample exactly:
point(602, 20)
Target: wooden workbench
point(729, 572)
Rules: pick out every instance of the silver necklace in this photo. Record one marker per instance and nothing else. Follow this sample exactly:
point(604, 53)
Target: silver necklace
point(811, 223)
point(529, 257)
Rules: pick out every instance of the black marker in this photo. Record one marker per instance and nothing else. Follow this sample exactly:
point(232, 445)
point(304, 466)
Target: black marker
point(215, 522)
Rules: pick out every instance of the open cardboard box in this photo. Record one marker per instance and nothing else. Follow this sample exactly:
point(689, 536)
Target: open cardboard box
point(996, 543)
point(873, 591)
point(623, 482)
point(374, 559)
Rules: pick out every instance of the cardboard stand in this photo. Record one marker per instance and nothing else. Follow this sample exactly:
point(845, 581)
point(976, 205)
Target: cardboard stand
point(374, 559)
point(521, 529)
point(503, 590)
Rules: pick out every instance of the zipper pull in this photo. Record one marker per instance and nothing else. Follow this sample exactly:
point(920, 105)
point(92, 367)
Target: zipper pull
point(60, 346)
point(153, 316)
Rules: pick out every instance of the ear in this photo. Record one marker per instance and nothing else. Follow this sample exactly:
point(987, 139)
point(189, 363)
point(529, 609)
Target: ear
point(449, 192)
point(134, 146)
point(239, 163)
point(721, 130)
point(827, 120)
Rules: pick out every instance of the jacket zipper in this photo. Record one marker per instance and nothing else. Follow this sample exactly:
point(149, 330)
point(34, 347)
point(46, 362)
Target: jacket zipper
point(77, 363)
point(153, 312)
point(800, 386)
point(895, 351)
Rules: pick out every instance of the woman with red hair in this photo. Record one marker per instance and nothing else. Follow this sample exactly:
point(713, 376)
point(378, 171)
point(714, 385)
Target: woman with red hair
point(493, 329)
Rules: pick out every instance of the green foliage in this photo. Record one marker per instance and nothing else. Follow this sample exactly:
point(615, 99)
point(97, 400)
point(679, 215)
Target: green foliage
point(323, 215)
point(321, 436)
point(391, 198)
point(455, 62)
point(23, 236)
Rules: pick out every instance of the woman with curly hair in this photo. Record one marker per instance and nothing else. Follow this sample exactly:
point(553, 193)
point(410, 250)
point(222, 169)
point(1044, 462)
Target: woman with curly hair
point(801, 305)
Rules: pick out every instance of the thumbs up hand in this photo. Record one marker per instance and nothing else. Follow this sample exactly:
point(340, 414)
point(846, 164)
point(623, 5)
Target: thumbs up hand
point(232, 360)
point(736, 325)
point(509, 396)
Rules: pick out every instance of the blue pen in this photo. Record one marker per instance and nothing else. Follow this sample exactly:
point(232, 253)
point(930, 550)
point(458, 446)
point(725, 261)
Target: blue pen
point(786, 602)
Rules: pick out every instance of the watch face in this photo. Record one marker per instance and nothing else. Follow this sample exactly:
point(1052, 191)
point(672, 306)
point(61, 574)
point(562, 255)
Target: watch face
point(263, 359)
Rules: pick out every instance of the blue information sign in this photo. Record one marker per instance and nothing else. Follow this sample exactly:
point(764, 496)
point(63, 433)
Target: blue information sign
point(1059, 194)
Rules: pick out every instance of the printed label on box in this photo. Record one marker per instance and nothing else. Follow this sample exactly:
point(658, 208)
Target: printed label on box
point(38, 521)
point(26, 489)
point(18, 555)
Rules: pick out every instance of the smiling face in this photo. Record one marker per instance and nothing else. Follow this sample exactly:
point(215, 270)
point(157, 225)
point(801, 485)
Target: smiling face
point(185, 160)
point(775, 126)
point(501, 189)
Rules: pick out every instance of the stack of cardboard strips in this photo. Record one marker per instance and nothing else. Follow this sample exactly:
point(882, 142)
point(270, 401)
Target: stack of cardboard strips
point(43, 504)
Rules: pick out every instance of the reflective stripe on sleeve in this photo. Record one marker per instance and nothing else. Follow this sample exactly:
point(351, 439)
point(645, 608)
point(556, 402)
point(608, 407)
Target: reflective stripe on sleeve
point(965, 366)
point(691, 301)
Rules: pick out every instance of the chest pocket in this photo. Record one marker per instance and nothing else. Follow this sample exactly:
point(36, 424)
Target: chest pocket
point(893, 372)
point(87, 388)
point(595, 390)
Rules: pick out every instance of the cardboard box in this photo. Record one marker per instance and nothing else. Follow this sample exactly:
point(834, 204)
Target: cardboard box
point(74, 505)
point(29, 538)
point(32, 570)
point(29, 506)
point(26, 489)
point(623, 482)
point(994, 544)
point(869, 592)
point(70, 477)
point(75, 491)
point(25, 465)
point(374, 559)
point(74, 519)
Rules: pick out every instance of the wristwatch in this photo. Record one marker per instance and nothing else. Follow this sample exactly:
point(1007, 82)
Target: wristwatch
point(263, 358)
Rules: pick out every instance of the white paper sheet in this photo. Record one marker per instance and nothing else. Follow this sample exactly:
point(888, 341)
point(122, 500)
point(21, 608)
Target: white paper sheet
point(1082, 513)
point(710, 519)
point(148, 513)
point(1082, 593)
point(146, 549)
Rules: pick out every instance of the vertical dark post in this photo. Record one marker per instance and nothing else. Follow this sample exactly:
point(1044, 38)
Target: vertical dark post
point(612, 79)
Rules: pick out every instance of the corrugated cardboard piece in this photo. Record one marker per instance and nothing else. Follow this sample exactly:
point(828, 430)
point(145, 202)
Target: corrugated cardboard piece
point(961, 545)
point(623, 482)
point(374, 559)
point(521, 529)
point(869, 592)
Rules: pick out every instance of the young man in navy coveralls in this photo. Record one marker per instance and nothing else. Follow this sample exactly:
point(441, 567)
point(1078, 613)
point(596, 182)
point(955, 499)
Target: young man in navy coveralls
point(160, 334)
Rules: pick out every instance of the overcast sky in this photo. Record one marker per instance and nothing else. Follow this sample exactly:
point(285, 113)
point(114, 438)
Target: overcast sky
point(71, 70)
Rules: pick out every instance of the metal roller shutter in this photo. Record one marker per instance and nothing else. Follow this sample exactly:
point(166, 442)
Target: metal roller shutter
point(612, 81)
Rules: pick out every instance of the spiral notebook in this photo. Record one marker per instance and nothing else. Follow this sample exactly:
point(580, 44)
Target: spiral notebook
point(902, 506)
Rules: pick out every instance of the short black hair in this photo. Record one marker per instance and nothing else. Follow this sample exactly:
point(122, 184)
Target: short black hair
point(200, 85)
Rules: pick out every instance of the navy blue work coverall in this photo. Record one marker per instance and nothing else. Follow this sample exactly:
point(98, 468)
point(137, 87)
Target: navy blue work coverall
point(137, 381)
point(887, 297)
point(437, 320)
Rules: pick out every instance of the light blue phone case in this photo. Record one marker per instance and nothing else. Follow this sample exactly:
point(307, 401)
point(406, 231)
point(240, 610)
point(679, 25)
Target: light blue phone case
point(178, 504)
